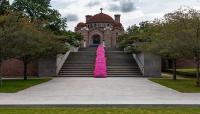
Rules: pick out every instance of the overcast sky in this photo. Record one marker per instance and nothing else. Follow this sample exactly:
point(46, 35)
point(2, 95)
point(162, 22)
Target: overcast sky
point(132, 11)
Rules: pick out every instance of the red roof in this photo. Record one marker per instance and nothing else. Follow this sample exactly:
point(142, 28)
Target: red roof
point(81, 24)
point(117, 24)
point(101, 18)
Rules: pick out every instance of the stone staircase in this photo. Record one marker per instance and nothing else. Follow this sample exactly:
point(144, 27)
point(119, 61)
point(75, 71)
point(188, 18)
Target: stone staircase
point(81, 64)
point(120, 64)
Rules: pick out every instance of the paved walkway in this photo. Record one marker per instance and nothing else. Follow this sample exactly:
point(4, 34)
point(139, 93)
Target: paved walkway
point(99, 91)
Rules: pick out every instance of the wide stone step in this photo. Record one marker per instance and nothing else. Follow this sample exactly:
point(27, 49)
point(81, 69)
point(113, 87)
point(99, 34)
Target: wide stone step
point(109, 73)
point(63, 75)
point(88, 49)
point(77, 68)
point(123, 70)
point(125, 67)
point(74, 62)
point(75, 72)
point(120, 63)
point(72, 74)
point(113, 49)
point(77, 64)
point(124, 75)
point(85, 53)
point(81, 64)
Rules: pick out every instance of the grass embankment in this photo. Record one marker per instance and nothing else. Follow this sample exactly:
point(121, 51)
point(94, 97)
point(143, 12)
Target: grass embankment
point(15, 85)
point(187, 72)
point(182, 85)
point(185, 83)
point(150, 110)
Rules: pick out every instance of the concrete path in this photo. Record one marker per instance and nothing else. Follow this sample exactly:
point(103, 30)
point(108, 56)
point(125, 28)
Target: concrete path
point(99, 91)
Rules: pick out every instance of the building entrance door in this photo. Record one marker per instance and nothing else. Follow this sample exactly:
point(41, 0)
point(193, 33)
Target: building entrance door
point(96, 40)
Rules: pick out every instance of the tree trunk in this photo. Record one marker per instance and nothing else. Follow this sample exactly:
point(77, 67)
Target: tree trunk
point(174, 69)
point(25, 70)
point(198, 71)
point(1, 76)
point(1, 61)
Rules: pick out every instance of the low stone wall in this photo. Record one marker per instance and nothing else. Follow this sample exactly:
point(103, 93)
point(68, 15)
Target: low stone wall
point(15, 68)
point(52, 65)
point(185, 63)
point(47, 67)
point(150, 64)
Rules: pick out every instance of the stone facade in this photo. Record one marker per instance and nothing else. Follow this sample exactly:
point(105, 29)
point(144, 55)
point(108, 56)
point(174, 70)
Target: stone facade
point(47, 67)
point(100, 28)
point(149, 64)
point(15, 68)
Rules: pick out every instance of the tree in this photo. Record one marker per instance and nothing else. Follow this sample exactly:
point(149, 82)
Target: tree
point(4, 4)
point(177, 36)
point(24, 41)
point(34, 9)
point(72, 38)
point(188, 29)
point(40, 10)
point(134, 36)
point(55, 22)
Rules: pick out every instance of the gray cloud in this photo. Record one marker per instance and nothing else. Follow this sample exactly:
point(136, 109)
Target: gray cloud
point(122, 5)
point(93, 3)
point(61, 4)
point(127, 6)
point(72, 17)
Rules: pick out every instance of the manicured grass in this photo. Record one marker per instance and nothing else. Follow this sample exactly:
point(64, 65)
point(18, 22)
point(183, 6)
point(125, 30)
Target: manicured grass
point(189, 70)
point(181, 85)
point(150, 110)
point(12, 86)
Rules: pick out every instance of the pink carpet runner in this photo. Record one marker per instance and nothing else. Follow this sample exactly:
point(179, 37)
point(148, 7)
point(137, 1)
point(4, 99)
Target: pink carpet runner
point(100, 70)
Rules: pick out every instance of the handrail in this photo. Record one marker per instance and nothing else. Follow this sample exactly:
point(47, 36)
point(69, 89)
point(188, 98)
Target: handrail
point(140, 64)
point(61, 62)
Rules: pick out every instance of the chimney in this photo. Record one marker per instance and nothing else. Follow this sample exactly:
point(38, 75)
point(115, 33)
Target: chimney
point(117, 18)
point(88, 17)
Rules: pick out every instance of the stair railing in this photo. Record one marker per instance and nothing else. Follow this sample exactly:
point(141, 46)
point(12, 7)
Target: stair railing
point(61, 60)
point(139, 62)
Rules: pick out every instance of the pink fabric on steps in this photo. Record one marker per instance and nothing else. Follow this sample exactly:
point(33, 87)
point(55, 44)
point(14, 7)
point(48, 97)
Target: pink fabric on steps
point(100, 70)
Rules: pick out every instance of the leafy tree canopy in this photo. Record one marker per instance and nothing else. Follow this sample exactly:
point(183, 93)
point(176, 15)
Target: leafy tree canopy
point(40, 10)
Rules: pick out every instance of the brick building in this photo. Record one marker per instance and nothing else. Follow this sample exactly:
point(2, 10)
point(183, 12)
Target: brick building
point(100, 28)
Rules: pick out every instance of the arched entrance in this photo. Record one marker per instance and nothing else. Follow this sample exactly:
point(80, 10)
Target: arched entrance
point(96, 39)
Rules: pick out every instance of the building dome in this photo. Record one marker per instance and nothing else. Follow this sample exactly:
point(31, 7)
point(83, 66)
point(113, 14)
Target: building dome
point(81, 24)
point(101, 18)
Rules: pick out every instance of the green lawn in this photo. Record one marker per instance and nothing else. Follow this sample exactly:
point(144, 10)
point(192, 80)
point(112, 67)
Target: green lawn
point(181, 85)
point(189, 70)
point(150, 110)
point(12, 86)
